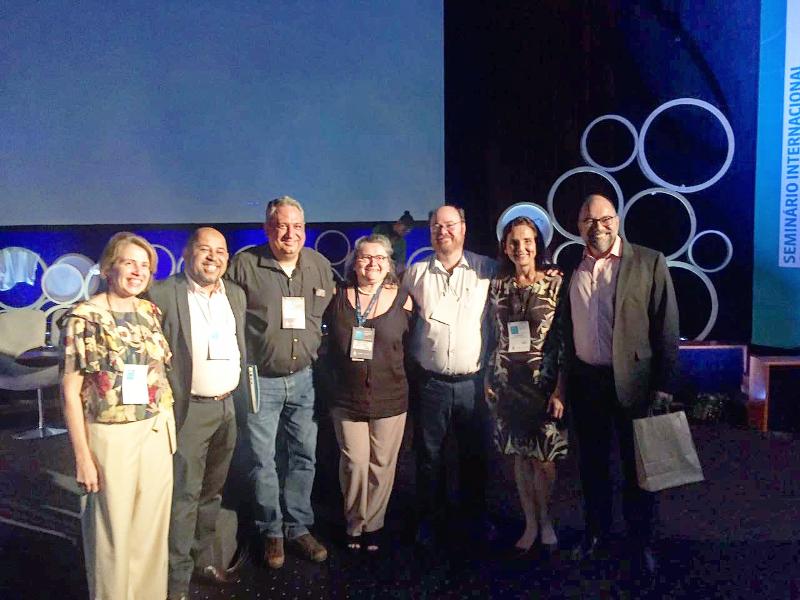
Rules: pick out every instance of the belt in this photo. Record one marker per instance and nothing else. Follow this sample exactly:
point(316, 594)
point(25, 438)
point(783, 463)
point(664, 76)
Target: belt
point(211, 398)
point(596, 369)
point(451, 378)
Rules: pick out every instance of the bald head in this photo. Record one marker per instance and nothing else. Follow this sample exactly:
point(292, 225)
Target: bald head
point(206, 257)
point(598, 224)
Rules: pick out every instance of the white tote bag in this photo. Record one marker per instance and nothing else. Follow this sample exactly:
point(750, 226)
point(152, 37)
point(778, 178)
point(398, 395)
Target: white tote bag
point(665, 452)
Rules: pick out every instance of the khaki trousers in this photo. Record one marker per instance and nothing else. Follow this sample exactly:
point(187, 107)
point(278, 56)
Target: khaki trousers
point(125, 524)
point(367, 463)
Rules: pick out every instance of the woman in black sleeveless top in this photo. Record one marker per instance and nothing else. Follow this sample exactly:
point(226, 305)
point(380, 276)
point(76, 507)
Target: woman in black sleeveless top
point(368, 320)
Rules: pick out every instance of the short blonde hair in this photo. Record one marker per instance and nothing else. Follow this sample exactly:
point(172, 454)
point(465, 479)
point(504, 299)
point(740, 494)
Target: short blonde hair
point(114, 246)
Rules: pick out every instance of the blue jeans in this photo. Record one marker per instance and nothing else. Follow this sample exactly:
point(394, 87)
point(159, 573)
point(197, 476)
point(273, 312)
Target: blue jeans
point(283, 437)
point(459, 407)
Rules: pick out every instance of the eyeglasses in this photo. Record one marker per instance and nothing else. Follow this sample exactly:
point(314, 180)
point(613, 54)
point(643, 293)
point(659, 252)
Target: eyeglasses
point(436, 227)
point(604, 221)
point(378, 258)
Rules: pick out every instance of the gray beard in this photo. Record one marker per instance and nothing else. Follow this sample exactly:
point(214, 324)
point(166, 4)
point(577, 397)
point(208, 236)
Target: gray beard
point(600, 244)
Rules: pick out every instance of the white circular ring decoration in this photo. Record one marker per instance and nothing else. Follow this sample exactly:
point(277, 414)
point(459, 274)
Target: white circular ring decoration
point(84, 264)
point(728, 245)
point(62, 283)
point(417, 253)
point(49, 312)
point(80, 261)
point(677, 196)
point(564, 245)
point(712, 292)
point(41, 299)
point(91, 282)
point(685, 189)
point(585, 150)
point(51, 324)
point(243, 248)
point(347, 241)
point(527, 209)
point(552, 194)
point(171, 258)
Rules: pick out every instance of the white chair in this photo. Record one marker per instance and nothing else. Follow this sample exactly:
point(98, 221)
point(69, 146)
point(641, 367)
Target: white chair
point(25, 364)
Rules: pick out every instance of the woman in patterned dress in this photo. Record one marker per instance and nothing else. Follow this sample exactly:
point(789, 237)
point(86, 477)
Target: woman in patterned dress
point(118, 410)
point(522, 376)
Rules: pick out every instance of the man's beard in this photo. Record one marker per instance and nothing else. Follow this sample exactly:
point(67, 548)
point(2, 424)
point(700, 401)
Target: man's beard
point(600, 242)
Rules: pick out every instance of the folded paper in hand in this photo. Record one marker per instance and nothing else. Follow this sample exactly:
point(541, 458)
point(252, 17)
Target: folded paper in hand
point(253, 390)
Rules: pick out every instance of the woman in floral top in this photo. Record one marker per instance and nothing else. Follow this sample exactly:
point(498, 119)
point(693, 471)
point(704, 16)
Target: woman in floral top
point(118, 409)
point(522, 375)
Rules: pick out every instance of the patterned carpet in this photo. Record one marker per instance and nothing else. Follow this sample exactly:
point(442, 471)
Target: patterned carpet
point(735, 536)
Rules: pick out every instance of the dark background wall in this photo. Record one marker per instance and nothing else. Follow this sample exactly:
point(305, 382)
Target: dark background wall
point(524, 79)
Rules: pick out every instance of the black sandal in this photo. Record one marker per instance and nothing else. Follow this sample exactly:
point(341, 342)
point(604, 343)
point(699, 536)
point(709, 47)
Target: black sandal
point(372, 541)
point(353, 543)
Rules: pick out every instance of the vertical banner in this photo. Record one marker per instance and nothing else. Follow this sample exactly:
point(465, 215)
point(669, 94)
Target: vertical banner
point(788, 255)
point(776, 243)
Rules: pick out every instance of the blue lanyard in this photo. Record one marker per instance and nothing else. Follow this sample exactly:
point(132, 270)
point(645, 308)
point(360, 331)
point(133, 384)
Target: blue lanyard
point(361, 318)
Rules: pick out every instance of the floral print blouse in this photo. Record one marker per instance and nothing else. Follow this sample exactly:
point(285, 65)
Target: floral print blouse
point(536, 304)
point(99, 343)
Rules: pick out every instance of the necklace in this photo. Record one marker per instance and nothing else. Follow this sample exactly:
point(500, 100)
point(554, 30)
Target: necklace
point(360, 291)
point(134, 303)
point(525, 281)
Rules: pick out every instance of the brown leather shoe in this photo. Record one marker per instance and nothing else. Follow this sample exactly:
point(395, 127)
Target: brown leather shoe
point(213, 575)
point(308, 547)
point(273, 552)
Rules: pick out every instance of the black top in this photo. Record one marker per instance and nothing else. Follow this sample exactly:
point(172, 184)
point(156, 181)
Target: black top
point(276, 351)
point(369, 389)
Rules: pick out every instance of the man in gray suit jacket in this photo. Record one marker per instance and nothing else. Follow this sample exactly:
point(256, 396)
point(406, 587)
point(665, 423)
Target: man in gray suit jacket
point(204, 324)
point(620, 326)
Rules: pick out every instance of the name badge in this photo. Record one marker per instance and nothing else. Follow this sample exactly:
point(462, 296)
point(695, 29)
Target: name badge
point(446, 309)
point(134, 385)
point(219, 347)
point(362, 341)
point(293, 312)
point(519, 336)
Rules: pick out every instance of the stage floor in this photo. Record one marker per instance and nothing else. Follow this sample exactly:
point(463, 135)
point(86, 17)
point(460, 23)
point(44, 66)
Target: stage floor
point(735, 536)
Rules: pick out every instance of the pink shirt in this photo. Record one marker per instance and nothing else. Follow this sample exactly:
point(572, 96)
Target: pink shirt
point(591, 294)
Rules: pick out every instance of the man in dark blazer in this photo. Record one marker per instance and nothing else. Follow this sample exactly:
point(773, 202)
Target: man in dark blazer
point(204, 324)
point(620, 325)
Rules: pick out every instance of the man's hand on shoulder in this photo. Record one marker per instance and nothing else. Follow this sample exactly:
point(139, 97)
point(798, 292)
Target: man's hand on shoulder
point(552, 270)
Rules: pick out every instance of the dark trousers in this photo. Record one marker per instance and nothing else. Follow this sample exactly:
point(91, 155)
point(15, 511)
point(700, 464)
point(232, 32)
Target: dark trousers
point(596, 415)
point(441, 405)
point(206, 442)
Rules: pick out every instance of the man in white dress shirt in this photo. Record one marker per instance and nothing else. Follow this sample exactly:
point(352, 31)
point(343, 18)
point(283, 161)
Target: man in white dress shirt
point(448, 345)
point(203, 320)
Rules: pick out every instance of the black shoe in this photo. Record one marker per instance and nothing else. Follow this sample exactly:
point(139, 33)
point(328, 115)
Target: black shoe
point(646, 562)
point(373, 541)
point(486, 531)
point(353, 543)
point(591, 548)
point(548, 551)
point(426, 536)
point(214, 576)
